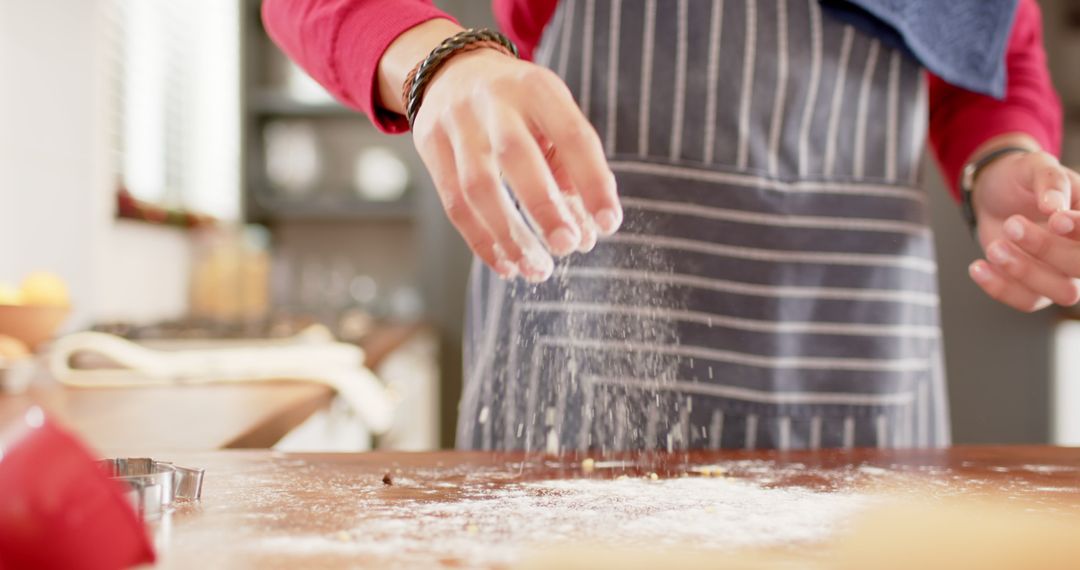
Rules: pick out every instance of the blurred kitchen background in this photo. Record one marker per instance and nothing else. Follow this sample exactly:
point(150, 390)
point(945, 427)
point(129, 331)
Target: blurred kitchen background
point(184, 179)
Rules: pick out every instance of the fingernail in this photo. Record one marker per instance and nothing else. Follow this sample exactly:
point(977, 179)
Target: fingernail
point(537, 266)
point(1054, 200)
point(999, 254)
point(562, 241)
point(1014, 228)
point(505, 269)
point(588, 242)
point(1062, 224)
point(978, 272)
point(608, 221)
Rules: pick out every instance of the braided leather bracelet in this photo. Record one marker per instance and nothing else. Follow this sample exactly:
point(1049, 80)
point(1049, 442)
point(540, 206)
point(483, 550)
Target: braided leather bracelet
point(412, 92)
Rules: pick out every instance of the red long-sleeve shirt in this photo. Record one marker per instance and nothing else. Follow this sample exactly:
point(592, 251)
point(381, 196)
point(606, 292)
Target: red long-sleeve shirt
point(340, 42)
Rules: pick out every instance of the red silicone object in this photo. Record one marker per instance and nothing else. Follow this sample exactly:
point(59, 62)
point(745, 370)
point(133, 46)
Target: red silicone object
point(57, 507)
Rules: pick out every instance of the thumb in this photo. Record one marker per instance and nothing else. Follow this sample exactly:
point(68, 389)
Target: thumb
point(1050, 182)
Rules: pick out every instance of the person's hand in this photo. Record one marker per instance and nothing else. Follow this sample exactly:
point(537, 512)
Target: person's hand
point(486, 116)
point(1028, 226)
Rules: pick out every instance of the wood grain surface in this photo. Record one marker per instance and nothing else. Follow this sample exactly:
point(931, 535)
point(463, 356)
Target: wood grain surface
point(272, 510)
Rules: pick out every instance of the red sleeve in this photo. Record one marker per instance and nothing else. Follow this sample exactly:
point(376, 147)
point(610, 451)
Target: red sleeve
point(523, 21)
point(960, 120)
point(340, 42)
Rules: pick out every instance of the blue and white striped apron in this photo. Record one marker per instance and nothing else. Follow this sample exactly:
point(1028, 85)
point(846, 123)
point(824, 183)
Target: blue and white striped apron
point(773, 284)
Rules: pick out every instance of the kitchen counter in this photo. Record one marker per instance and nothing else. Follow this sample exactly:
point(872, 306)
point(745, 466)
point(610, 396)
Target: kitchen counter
point(195, 417)
point(190, 418)
point(454, 509)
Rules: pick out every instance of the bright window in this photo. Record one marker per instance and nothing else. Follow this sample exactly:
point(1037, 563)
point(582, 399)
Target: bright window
point(176, 99)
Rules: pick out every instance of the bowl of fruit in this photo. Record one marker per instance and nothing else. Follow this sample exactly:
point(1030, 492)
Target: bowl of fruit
point(31, 313)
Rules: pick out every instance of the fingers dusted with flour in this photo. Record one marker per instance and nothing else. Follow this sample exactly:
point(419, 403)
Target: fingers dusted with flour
point(520, 170)
point(438, 157)
point(579, 148)
point(1005, 289)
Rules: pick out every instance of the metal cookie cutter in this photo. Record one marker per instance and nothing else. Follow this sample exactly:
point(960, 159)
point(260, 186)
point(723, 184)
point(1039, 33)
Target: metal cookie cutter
point(154, 485)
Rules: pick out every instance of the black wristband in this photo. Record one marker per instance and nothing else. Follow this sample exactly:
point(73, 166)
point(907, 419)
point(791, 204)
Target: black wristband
point(426, 69)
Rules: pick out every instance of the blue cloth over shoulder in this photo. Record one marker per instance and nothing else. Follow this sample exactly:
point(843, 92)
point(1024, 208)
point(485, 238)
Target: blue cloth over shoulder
point(960, 41)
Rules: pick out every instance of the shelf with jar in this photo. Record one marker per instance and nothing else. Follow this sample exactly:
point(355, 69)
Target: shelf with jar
point(328, 167)
point(306, 156)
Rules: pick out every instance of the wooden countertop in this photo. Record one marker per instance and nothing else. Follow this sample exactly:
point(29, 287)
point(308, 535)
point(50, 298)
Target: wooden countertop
point(273, 510)
point(195, 417)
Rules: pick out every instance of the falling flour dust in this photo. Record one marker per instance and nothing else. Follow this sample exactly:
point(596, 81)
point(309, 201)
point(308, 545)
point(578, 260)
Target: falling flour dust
point(617, 389)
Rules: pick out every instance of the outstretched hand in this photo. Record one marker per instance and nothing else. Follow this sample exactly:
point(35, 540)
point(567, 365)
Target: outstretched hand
point(1029, 227)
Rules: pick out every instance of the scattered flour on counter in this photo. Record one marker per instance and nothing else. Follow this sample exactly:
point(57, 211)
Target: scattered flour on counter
point(494, 526)
point(1048, 468)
